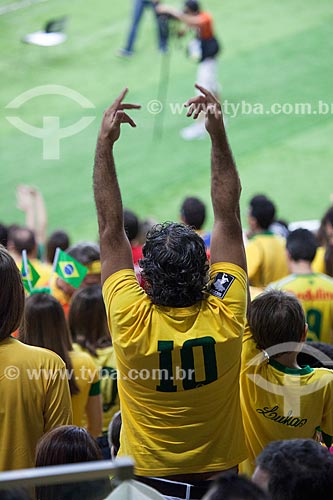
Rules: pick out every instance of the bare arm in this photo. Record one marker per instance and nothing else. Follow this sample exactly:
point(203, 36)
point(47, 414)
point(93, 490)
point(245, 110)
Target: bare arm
point(191, 21)
point(94, 415)
point(115, 248)
point(227, 239)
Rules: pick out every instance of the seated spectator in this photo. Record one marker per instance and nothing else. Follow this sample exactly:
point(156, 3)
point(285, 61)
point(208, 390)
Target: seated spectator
point(114, 434)
point(193, 213)
point(299, 469)
point(29, 407)
point(57, 239)
point(87, 254)
point(45, 326)
point(323, 262)
point(90, 333)
point(265, 251)
point(234, 487)
point(313, 290)
point(69, 445)
point(21, 238)
point(280, 400)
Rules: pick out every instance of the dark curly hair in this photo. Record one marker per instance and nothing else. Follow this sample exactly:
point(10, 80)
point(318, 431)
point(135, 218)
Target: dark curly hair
point(174, 265)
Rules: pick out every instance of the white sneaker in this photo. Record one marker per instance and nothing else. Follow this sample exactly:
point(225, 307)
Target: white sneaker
point(194, 132)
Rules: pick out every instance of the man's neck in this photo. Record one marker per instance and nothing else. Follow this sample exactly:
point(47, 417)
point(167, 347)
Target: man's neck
point(300, 267)
point(288, 359)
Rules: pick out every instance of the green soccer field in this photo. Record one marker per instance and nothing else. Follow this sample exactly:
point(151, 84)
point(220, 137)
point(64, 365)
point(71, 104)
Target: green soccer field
point(274, 52)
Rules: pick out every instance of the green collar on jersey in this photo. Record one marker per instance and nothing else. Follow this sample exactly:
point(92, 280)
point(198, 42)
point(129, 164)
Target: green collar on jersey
point(290, 371)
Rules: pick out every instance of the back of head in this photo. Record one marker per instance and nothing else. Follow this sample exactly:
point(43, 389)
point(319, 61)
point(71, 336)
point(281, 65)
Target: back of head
point(11, 295)
point(301, 245)
point(85, 252)
point(263, 211)
point(45, 323)
point(174, 265)
point(234, 487)
point(67, 444)
point(87, 318)
point(45, 326)
point(276, 317)
point(22, 238)
point(193, 6)
point(193, 212)
point(58, 239)
point(297, 469)
point(131, 225)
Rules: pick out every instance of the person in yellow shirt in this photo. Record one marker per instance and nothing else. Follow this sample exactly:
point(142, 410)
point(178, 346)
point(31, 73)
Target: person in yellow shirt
point(313, 290)
point(280, 399)
point(45, 326)
point(34, 396)
point(265, 251)
point(90, 334)
point(178, 342)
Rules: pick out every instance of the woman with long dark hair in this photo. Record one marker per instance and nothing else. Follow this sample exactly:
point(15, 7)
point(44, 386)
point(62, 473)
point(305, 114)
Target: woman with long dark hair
point(45, 326)
point(90, 333)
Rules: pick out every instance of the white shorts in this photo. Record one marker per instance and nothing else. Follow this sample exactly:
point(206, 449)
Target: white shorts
point(207, 75)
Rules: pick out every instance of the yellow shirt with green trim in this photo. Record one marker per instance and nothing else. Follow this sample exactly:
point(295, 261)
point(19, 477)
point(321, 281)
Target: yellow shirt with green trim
point(34, 398)
point(315, 292)
point(87, 378)
point(318, 264)
point(105, 362)
point(178, 374)
point(281, 403)
point(266, 259)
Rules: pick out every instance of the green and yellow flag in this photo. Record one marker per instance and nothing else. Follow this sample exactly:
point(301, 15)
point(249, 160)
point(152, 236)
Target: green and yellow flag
point(29, 275)
point(69, 269)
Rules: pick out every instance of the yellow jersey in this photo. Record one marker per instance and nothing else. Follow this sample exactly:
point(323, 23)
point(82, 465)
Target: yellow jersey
point(105, 362)
point(266, 259)
point(281, 403)
point(315, 292)
point(87, 378)
point(178, 374)
point(34, 397)
point(318, 263)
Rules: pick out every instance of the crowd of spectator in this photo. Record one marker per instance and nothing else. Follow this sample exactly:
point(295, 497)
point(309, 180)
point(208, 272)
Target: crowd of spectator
point(225, 318)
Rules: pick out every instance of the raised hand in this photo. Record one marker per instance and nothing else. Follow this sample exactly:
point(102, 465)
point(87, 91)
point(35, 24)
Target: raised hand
point(114, 116)
point(208, 104)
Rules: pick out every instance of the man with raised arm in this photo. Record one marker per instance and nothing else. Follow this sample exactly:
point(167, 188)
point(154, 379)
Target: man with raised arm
point(178, 342)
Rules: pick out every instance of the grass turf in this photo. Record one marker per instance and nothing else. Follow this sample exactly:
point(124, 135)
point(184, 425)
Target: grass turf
point(274, 52)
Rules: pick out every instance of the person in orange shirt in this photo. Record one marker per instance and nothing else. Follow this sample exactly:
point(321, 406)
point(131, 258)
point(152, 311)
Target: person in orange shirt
point(203, 49)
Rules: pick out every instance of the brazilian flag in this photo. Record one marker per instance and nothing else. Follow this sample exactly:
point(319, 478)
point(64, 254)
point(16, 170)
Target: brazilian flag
point(69, 269)
point(29, 276)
